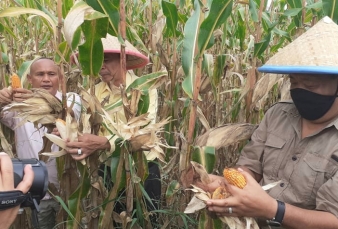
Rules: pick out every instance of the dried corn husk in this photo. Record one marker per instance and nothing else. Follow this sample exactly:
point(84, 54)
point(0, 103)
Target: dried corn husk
point(41, 107)
point(200, 196)
point(141, 133)
point(68, 131)
point(226, 135)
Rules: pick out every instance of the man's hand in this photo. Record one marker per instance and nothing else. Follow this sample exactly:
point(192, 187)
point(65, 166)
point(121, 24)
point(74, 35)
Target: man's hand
point(21, 94)
point(251, 201)
point(88, 144)
point(5, 96)
point(7, 184)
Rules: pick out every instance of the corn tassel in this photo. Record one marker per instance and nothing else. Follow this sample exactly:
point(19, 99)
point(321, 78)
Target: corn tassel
point(234, 177)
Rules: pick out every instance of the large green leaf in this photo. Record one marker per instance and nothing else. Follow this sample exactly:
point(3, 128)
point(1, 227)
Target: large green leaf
point(296, 5)
point(76, 16)
point(218, 73)
point(75, 199)
point(91, 52)
point(205, 221)
point(330, 8)
point(64, 50)
point(219, 13)
point(111, 9)
point(205, 156)
point(189, 45)
point(261, 46)
point(16, 11)
point(143, 83)
point(253, 10)
point(170, 11)
point(66, 6)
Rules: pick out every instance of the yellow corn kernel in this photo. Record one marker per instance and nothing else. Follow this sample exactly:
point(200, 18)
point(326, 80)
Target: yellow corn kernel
point(220, 193)
point(16, 82)
point(234, 177)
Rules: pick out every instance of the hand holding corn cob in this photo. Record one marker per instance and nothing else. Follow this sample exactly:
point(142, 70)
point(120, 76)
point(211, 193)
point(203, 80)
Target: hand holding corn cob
point(202, 198)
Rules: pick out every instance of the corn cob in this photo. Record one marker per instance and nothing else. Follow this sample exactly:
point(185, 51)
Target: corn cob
point(220, 193)
point(234, 177)
point(16, 82)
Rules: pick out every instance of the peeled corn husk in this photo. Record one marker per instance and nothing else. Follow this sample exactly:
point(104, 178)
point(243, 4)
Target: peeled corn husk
point(200, 196)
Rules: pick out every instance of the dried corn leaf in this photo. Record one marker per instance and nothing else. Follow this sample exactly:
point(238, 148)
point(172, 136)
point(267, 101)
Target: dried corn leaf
point(226, 135)
point(201, 172)
point(194, 205)
point(55, 154)
point(271, 185)
point(56, 140)
point(263, 86)
point(61, 126)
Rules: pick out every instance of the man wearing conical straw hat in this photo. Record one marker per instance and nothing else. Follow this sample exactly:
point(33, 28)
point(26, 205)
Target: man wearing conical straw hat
point(296, 143)
point(112, 78)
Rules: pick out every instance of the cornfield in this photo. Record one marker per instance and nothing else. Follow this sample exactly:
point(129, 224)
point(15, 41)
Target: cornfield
point(203, 56)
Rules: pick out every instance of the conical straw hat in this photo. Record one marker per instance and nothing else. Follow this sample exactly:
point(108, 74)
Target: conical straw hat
point(135, 59)
point(111, 44)
point(314, 52)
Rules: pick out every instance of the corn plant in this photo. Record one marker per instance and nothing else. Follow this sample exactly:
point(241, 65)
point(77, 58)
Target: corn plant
point(204, 52)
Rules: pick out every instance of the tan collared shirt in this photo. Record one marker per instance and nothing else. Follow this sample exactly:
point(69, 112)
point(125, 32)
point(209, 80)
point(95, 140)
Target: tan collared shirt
point(306, 167)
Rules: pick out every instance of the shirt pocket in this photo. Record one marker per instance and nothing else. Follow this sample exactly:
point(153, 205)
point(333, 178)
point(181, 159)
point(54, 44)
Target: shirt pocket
point(272, 152)
point(311, 174)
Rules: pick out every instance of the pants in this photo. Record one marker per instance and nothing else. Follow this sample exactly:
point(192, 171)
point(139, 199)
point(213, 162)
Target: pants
point(152, 186)
point(48, 210)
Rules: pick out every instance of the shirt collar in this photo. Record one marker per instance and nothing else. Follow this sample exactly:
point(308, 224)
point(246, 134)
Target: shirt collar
point(295, 117)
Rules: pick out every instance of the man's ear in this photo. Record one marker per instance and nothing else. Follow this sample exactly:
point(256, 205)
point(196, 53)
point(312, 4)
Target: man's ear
point(29, 78)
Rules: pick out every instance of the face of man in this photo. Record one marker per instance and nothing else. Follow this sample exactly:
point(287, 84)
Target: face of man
point(44, 73)
point(320, 84)
point(314, 96)
point(110, 70)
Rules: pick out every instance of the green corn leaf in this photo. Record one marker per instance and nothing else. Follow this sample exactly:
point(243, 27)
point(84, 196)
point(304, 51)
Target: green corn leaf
point(330, 8)
point(260, 47)
point(170, 12)
point(205, 156)
point(172, 188)
point(219, 13)
point(188, 53)
point(205, 221)
point(74, 201)
point(91, 52)
point(76, 16)
point(150, 81)
point(143, 83)
point(109, 8)
point(253, 10)
point(296, 5)
point(65, 51)
point(16, 11)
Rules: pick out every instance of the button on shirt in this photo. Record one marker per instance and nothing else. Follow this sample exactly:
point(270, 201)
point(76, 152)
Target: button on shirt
point(306, 167)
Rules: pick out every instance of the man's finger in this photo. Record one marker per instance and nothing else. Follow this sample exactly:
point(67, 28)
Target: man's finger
point(27, 180)
point(6, 170)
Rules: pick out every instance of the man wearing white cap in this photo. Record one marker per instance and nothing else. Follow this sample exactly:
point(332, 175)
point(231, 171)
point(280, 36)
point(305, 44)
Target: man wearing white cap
point(109, 87)
point(296, 142)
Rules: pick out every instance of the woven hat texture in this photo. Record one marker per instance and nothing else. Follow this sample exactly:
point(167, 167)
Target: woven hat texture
point(135, 59)
point(315, 51)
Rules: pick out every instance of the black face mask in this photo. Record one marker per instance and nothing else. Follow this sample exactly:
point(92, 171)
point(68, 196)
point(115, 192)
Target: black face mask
point(310, 105)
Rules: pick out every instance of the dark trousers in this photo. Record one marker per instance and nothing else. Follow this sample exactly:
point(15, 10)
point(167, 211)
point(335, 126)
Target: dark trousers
point(152, 186)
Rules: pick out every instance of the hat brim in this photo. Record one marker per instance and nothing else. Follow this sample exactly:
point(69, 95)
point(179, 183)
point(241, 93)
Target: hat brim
point(134, 59)
point(278, 69)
